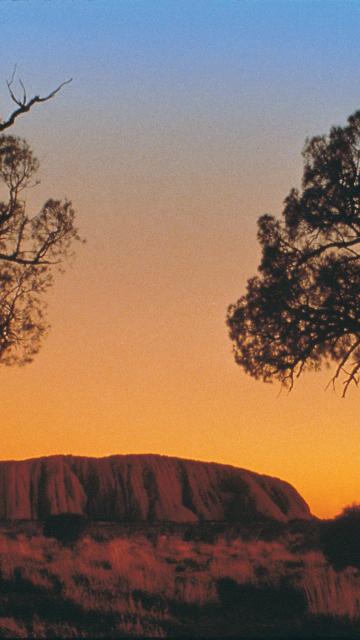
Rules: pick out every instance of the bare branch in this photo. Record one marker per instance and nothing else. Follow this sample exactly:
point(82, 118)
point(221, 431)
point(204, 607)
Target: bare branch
point(52, 94)
point(37, 260)
point(23, 105)
point(353, 377)
point(331, 245)
point(24, 91)
point(20, 236)
point(342, 364)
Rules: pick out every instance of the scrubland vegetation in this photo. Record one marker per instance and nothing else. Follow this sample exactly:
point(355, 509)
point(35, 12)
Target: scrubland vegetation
point(174, 581)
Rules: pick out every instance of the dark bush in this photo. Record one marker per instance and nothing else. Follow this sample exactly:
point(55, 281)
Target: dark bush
point(340, 539)
point(261, 603)
point(65, 527)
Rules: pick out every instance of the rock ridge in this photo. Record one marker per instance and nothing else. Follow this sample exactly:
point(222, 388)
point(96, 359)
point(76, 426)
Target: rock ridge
point(143, 487)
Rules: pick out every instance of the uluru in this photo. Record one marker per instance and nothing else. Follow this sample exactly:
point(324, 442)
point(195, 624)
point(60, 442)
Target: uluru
point(144, 488)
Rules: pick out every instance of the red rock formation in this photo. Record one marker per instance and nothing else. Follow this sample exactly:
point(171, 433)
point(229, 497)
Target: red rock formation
point(142, 488)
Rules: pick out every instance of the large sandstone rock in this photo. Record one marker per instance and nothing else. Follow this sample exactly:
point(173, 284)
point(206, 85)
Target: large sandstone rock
point(143, 488)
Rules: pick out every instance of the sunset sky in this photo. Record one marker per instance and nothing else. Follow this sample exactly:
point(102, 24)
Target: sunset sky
point(184, 122)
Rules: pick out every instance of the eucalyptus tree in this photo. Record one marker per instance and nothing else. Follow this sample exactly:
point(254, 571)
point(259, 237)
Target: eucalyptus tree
point(33, 245)
point(302, 310)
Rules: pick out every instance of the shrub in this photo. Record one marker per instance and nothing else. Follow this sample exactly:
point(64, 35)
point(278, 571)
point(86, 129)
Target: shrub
point(261, 602)
point(65, 527)
point(340, 538)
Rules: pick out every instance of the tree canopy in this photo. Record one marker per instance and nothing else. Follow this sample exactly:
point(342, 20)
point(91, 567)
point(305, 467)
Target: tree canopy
point(32, 246)
point(302, 310)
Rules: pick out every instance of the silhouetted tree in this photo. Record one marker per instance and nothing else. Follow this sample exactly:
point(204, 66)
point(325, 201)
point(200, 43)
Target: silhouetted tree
point(303, 308)
point(31, 246)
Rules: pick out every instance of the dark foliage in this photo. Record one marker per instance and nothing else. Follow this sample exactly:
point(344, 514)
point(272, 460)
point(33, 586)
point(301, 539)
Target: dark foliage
point(65, 527)
point(340, 539)
point(20, 599)
point(303, 535)
point(303, 308)
point(267, 602)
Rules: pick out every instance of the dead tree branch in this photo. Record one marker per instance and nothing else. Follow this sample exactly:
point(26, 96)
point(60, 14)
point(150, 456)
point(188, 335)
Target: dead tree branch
point(24, 105)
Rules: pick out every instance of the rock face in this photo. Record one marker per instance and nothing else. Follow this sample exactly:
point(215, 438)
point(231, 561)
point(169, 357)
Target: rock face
point(143, 488)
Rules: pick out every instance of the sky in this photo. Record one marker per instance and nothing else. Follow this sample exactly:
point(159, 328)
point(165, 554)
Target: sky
point(184, 122)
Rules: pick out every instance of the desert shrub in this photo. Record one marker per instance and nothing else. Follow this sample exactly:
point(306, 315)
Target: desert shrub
point(126, 586)
point(206, 532)
point(303, 535)
point(340, 538)
point(65, 527)
point(268, 602)
point(270, 530)
point(11, 628)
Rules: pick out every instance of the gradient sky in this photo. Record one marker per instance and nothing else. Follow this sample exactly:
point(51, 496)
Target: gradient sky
point(184, 122)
